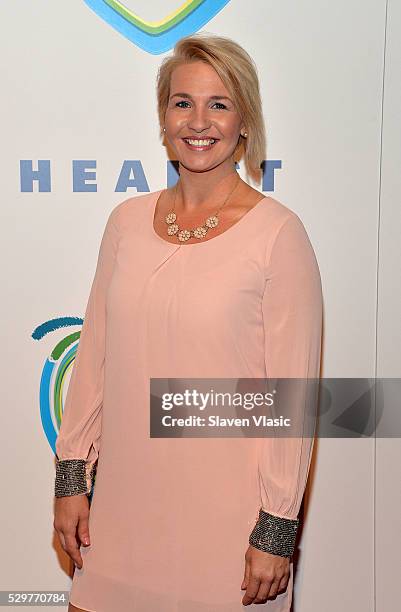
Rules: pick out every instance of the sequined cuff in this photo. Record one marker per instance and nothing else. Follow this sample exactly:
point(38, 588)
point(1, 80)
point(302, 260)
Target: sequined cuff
point(73, 477)
point(274, 534)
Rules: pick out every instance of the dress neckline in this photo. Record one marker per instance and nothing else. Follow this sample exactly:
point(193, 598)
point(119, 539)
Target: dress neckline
point(231, 229)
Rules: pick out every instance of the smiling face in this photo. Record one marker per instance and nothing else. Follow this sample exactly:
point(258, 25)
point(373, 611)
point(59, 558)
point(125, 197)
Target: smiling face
point(201, 121)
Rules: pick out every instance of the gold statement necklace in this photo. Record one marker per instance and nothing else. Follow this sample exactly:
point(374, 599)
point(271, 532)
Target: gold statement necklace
point(199, 232)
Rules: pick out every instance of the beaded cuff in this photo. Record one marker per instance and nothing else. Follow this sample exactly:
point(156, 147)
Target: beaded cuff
point(73, 477)
point(274, 534)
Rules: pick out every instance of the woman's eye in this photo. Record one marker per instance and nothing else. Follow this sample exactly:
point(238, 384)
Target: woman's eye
point(185, 102)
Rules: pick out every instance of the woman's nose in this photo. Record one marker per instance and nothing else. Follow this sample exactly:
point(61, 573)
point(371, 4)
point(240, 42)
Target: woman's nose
point(199, 120)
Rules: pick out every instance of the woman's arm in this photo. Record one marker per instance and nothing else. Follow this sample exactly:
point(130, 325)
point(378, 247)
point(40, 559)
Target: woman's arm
point(292, 314)
point(78, 441)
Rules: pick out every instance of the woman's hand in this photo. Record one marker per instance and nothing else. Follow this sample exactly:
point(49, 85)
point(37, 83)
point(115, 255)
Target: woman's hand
point(71, 521)
point(265, 575)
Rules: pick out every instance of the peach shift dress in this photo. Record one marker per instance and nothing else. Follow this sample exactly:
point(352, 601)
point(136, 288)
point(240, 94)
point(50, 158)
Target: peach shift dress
point(170, 518)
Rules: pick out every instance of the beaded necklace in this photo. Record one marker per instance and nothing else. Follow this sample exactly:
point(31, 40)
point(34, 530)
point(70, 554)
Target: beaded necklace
point(199, 232)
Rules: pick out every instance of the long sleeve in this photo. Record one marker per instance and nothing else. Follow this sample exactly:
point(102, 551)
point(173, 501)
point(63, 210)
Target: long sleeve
point(78, 441)
point(292, 315)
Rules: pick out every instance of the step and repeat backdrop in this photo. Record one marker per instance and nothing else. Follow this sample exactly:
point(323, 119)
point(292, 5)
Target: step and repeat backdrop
point(80, 134)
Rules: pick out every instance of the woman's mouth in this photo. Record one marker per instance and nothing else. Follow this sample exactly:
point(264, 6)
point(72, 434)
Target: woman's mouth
point(203, 144)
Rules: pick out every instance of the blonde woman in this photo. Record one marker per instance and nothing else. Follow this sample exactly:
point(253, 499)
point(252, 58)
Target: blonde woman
point(209, 278)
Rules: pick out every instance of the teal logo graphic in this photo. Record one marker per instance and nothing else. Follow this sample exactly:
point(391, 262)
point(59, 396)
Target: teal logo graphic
point(54, 372)
point(157, 36)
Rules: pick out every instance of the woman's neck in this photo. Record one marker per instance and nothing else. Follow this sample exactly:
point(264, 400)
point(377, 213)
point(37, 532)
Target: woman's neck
point(197, 189)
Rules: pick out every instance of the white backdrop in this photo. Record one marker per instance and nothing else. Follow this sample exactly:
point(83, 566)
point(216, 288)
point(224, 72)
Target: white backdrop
point(76, 91)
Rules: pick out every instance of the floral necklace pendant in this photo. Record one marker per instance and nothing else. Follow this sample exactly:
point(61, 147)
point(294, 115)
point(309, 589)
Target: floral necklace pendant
point(185, 234)
point(199, 232)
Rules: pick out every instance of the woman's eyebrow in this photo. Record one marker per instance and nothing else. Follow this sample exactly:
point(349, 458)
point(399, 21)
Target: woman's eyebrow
point(187, 95)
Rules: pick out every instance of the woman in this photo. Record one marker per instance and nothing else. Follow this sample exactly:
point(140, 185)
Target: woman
point(208, 279)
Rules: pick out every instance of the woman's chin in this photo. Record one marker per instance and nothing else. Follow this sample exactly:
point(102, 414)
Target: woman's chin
point(191, 167)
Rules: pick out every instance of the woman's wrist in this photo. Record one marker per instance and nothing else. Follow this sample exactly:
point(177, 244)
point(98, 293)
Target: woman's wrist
point(73, 477)
point(274, 534)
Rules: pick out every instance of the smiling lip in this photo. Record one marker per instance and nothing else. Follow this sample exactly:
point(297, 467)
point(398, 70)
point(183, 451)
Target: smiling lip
point(204, 138)
point(200, 147)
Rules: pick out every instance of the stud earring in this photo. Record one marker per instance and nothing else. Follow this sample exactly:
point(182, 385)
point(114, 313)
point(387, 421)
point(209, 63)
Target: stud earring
point(245, 134)
point(164, 129)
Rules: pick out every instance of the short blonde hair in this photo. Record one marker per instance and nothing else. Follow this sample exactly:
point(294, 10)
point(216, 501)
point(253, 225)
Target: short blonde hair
point(239, 74)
